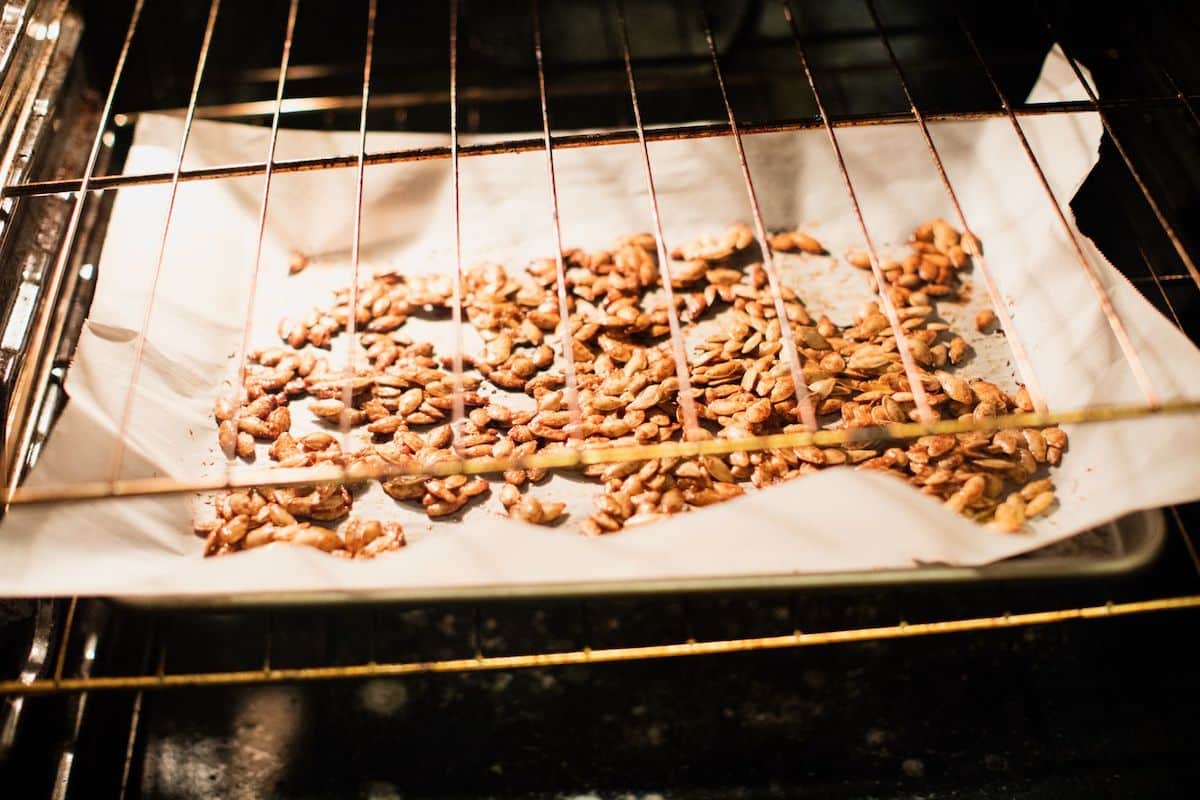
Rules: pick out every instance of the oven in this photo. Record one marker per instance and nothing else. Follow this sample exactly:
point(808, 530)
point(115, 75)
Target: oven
point(588, 687)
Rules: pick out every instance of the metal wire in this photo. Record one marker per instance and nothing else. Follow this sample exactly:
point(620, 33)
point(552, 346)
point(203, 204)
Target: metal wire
point(920, 398)
point(482, 663)
point(565, 334)
point(808, 414)
point(267, 674)
point(135, 719)
point(1110, 312)
point(458, 409)
point(41, 333)
point(574, 458)
point(1003, 315)
point(687, 401)
point(1155, 208)
point(91, 490)
point(1187, 538)
point(567, 142)
point(356, 245)
point(64, 642)
point(139, 346)
point(1158, 282)
point(262, 215)
point(1183, 98)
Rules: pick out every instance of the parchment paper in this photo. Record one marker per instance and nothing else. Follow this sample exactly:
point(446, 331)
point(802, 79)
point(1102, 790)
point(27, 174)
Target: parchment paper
point(834, 521)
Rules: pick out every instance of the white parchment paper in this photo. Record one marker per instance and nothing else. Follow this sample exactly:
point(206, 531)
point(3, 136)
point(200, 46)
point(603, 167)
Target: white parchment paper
point(837, 520)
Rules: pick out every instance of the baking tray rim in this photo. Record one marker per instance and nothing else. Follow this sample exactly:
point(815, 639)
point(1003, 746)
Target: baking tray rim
point(1143, 531)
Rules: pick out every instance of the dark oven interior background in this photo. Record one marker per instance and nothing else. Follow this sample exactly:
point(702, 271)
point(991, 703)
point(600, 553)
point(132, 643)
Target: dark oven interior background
point(1075, 709)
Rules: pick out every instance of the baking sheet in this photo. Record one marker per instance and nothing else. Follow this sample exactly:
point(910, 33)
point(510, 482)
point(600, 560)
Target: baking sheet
point(836, 521)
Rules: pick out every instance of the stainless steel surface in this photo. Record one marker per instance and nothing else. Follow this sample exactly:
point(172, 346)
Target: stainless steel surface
point(32, 372)
point(35, 68)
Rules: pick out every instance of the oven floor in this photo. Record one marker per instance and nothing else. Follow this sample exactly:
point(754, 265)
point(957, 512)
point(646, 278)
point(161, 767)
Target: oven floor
point(1087, 710)
point(1093, 709)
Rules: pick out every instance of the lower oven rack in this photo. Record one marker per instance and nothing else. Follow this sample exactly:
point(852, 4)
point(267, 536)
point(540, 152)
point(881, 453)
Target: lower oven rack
point(96, 645)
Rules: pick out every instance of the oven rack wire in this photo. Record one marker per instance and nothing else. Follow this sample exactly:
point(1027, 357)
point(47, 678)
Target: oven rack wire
point(35, 372)
point(67, 656)
point(81, 679)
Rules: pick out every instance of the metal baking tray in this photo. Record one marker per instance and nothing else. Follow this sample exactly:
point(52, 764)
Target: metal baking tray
point(1120, 547)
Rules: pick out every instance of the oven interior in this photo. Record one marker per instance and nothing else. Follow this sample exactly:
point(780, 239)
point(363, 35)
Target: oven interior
point(103, 698)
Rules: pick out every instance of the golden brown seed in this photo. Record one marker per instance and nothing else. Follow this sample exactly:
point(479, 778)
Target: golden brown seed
point(605, 522)
point(474, 486)
point(256, 427)
point(552, 511)
point(1032, 490)
point(499, 414)
point(859, 258)
point(1036, 443)
point(386, 425)
point(297, 263)
point(240, 503)
point(628, 388)
point(958, 350)
point(955, 387)
point(329, 408)
point(1055, 437)
point(759, 411)
point(259, 537)
point(509, 495)
point(553, 419)
point(810, 454)
point(320, 538)
point(318, 440)
point(409, 402)
point(227, 437)
point(807, 243)
point(280, 421)
point(1009, 517)
point(224, 409)
point(795, 241)
point(406, 487)
point(651, 396)
point(261, 407)
point(529, 509)
point(1023, 401)
point(442, 508)
point(234, 529)
point(1039, 504)
point(279, 515)
point(984, 320)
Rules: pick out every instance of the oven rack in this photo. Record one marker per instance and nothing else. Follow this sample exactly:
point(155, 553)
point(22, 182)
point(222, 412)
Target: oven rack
point(33, 373)
point(74, 668)
point(96, 645)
